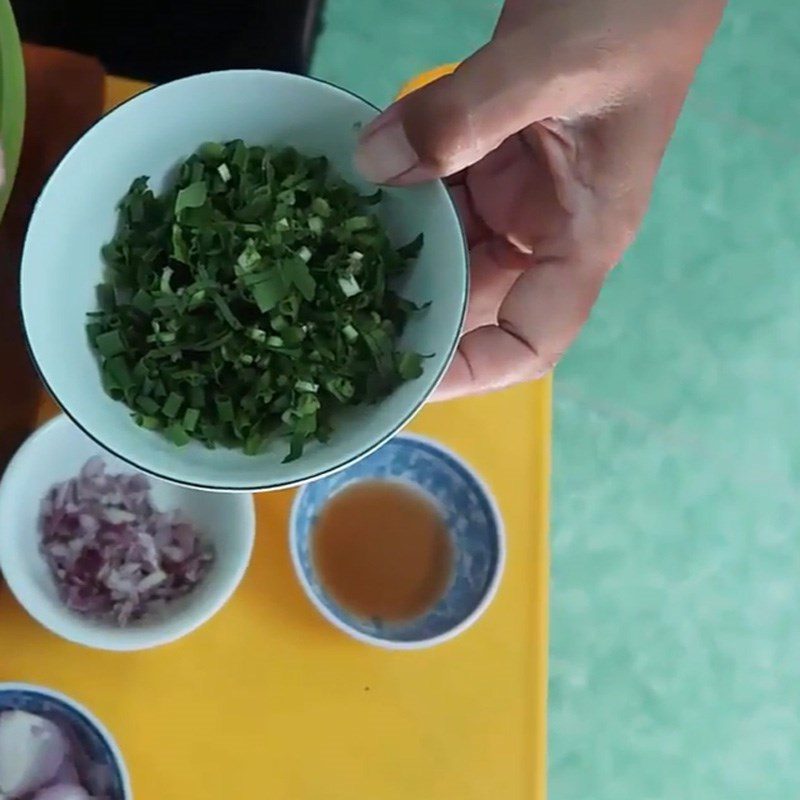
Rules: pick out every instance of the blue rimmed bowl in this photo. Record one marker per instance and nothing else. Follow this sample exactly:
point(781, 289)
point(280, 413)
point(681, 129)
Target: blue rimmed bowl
point(107, 777)
point(473, 522)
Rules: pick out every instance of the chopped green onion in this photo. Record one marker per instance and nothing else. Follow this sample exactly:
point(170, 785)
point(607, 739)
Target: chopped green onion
point(251, 299)
point(172, 405)
point(225, 409)
point(190, 419)
point(143, 301)
point(165, 276)
point(357, 224)
point(177, 434)
point(349, 285)
point(321, 207)
point(147, 404)
point(110, 344)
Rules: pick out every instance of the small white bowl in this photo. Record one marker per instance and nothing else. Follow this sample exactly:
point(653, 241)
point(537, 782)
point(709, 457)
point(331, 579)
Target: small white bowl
point(77, 213)
point(56, 452)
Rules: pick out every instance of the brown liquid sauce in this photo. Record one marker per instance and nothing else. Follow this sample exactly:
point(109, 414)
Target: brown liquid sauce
point(382, 551)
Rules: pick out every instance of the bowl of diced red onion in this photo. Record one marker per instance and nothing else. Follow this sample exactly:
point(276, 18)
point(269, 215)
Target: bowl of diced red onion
point(52, 748)
point(110, 558)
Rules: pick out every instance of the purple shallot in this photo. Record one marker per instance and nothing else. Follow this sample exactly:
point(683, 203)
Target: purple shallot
point(112, 553)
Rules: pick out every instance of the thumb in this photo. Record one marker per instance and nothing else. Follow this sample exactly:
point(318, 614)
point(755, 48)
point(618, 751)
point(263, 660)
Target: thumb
point(453, 122)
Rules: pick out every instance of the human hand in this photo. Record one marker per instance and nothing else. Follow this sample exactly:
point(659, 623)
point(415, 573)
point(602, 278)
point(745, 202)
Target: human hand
point(550, 137)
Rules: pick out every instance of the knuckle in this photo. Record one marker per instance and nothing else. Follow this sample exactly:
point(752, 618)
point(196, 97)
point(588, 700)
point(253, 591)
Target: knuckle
point(439, 132)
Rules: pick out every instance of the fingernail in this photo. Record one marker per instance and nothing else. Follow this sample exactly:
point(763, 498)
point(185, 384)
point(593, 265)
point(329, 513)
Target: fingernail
point(385, 153)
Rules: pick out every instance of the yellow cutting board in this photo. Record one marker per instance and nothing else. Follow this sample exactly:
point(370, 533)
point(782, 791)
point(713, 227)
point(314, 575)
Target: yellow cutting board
point(269, 701)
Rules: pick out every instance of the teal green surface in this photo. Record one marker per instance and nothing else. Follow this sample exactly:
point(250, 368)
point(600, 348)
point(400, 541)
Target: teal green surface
point(675, 600)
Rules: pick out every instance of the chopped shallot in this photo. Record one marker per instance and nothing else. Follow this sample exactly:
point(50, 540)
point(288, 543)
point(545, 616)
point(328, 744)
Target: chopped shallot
point(43, 759)
point(112, 554)
point(31, 751)
point(63, 791)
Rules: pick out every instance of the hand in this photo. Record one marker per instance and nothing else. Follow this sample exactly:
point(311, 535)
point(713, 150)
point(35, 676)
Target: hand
point(550, 137)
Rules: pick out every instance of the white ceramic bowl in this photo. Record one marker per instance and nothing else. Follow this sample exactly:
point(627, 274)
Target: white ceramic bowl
point(56, 452)
point(76, 214)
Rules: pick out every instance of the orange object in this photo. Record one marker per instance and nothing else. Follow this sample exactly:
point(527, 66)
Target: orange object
point(427, 77)
point(268, 700)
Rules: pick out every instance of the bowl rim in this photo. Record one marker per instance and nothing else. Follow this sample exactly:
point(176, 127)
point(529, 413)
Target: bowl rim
point(391, 431)
point(471, 618)
point(89, 717)
point(78, 634)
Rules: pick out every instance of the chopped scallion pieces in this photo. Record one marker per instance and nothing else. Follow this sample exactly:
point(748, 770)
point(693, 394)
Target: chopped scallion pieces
point(172, 405)
point(110, 344)
point(349, 285)
point(250, 300)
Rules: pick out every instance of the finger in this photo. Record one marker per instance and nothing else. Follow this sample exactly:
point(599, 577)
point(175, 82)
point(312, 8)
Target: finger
point(488, 358)
point(546, 60)
point(530, 192)
point(453, 122)
point(490, 280)
point(537, 321)
point(475, 229)
point(549, 304)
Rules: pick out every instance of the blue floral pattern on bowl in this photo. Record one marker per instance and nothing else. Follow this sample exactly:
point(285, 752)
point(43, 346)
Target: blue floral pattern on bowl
point(472, 520)
point(103, 775)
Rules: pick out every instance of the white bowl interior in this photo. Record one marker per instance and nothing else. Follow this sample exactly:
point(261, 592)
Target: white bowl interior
point(77, 212)
point(55, 453)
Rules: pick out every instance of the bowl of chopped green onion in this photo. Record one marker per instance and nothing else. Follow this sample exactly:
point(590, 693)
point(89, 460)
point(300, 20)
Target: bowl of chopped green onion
point(213, 294)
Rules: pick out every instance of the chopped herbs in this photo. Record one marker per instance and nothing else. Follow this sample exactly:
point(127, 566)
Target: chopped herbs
point(251, 300)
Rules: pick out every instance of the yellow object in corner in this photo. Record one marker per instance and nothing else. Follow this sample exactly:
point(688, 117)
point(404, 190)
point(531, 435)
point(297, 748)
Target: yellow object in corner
point(269, 701)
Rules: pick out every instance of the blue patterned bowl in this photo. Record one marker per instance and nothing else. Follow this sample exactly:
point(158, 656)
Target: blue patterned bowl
point(473, 521)
point(106, 776)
